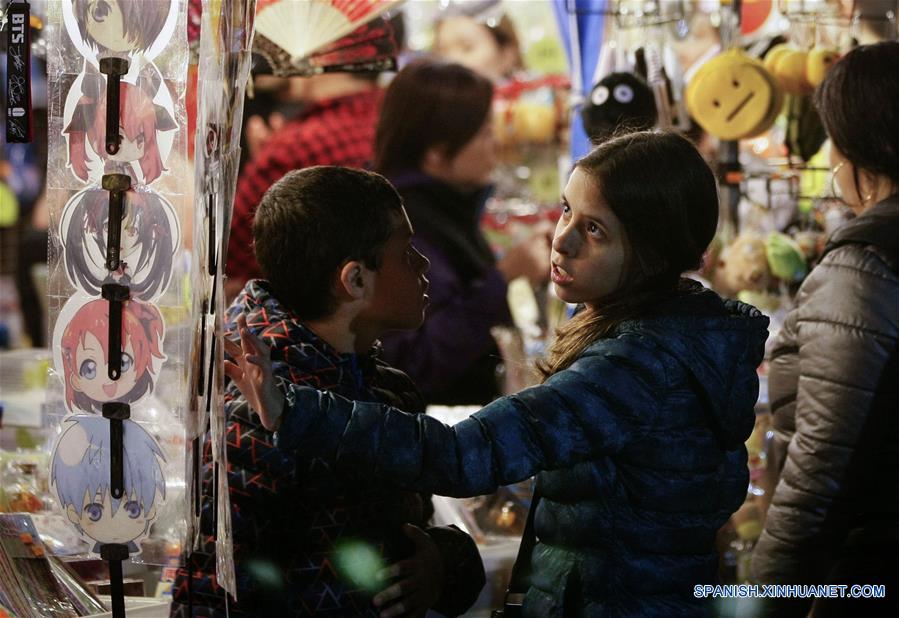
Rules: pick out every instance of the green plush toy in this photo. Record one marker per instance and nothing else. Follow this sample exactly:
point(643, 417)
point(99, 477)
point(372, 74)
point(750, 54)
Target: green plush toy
point(785, 258)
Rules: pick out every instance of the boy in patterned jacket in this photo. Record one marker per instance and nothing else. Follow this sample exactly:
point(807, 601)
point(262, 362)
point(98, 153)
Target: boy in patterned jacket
point(335, 245)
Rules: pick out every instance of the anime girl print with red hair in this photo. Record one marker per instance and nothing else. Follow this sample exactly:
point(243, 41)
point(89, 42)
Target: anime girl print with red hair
point(144, 121)
point(81, 353)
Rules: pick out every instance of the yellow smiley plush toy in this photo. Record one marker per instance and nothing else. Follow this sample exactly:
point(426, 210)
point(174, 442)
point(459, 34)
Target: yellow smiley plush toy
point(733, 97)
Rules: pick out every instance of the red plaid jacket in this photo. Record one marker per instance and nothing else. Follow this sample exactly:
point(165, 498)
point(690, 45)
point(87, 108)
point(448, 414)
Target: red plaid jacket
point(339, 131)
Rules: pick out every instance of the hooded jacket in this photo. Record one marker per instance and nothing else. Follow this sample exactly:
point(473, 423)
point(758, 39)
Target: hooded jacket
point(834, 392)
point(638, 448)
point(291, 514)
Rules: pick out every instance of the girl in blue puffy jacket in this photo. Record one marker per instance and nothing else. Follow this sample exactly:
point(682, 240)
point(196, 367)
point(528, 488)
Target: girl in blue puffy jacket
point(636, 432)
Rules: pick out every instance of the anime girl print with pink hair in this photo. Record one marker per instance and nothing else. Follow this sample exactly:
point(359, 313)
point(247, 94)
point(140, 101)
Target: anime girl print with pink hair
point(143, 123)
point(81, 353)
point(150, 238)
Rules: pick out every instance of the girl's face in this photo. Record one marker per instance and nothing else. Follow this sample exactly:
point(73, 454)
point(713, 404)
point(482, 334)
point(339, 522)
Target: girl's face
point(589, 248)
point(463, 40)
point(90, 375)
point(473, 165)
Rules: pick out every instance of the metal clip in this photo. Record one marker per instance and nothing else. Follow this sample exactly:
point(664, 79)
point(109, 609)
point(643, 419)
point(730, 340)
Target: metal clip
point(115, 68)
point(116, 412)
point(117, 185)
point(212, 249)
point(116, 294)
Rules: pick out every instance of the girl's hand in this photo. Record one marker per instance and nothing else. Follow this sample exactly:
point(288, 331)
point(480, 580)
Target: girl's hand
point(252, 373)
point(420, 578)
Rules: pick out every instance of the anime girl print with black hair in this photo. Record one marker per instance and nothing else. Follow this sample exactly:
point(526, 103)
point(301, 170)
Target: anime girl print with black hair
point(81, 353)
point(150, 237)
point(79, 474)
point(144, 121)
point(119, 27)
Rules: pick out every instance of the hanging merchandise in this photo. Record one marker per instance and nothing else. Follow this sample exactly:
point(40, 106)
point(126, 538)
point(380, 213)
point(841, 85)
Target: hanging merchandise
point(117, 188)
point(80, 472)
point(583, 27)
point(732, 96)
point(619, 100)
point(145, 132)
point(82, 349)
point(226, 37)
point(150, 237)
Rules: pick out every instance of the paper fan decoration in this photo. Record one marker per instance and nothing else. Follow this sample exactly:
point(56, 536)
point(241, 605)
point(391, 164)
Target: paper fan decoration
point(299, 28)
point(371, 47)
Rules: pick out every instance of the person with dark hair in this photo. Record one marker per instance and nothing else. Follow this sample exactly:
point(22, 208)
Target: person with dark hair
point(337, 127)
point(335, 245)
point(637, 432)
point(834, 377)
point(435, 142)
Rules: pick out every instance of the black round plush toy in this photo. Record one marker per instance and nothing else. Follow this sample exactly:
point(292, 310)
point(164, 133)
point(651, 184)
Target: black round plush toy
point(620, 101)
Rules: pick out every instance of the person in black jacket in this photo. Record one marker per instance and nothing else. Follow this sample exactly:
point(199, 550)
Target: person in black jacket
point(636, 433)
point(834, 381)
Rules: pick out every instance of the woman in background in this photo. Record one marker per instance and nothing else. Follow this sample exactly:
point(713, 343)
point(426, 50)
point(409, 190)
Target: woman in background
point(435, 143)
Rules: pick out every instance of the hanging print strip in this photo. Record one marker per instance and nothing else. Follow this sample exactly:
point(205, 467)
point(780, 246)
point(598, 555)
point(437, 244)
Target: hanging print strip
point(118, 189)
point(80, 473)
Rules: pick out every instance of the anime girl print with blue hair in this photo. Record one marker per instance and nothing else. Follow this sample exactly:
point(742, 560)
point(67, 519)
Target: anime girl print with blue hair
point(79, 474)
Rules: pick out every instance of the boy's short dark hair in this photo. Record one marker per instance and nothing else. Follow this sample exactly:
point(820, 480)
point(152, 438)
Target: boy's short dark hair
point(311, 222)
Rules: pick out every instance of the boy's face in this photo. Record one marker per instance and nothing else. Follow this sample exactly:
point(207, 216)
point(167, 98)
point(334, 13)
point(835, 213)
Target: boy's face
point(400, 286)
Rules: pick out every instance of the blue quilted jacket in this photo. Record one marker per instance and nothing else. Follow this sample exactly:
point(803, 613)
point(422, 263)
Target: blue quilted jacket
point(637, 446)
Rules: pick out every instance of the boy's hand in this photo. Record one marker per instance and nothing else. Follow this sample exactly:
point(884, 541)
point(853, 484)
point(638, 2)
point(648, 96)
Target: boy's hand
point(252, 373)
point(420, 578)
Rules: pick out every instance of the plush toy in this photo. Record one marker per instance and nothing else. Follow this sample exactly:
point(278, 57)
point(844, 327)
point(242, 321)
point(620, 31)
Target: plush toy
point(618, 101)
point(732, 96)
point(743, 265)
point(820, 59)
point(786, 259)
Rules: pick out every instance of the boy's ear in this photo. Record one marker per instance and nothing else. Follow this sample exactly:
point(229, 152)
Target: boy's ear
point(352, 280)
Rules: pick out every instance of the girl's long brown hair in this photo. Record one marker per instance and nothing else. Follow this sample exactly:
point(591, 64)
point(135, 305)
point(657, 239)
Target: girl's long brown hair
point(664, 194)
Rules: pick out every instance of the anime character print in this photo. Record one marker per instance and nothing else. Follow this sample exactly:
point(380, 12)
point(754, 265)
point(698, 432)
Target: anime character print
point(119, 26)
point(143, 122)
point(79, 474)
point(150, 237)
point(81, 353)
